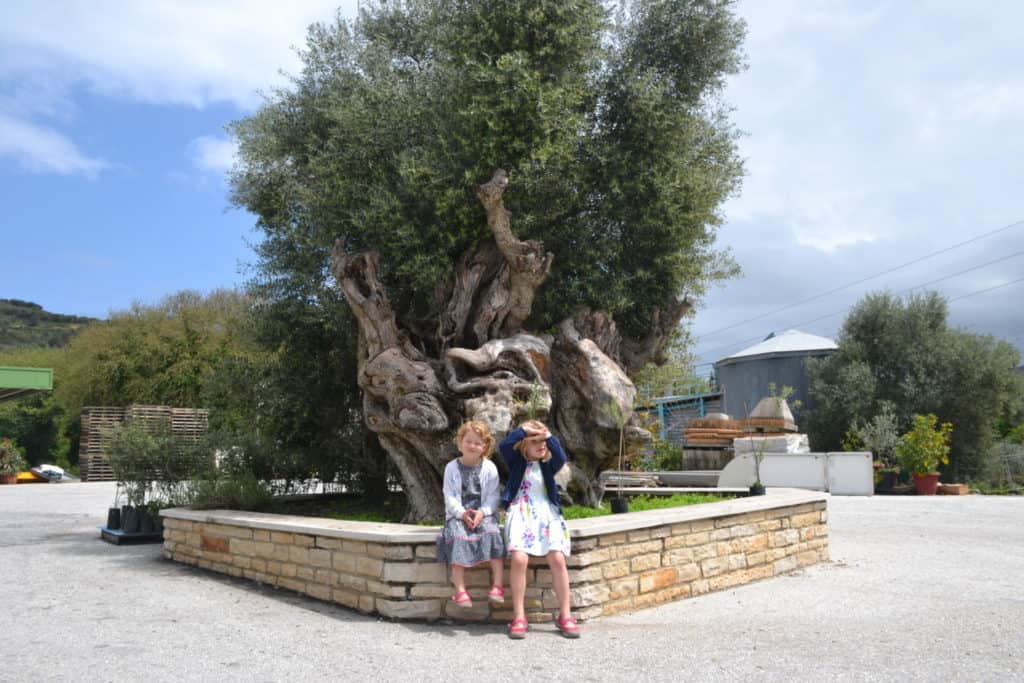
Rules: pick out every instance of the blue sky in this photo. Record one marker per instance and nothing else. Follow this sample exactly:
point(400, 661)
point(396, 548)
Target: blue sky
point(876, 133)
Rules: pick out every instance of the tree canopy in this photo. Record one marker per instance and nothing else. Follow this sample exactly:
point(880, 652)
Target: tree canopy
point(610, 127)
point(900, 355)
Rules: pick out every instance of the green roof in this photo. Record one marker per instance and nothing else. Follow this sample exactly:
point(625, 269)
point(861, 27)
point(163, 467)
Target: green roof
point(19, 382)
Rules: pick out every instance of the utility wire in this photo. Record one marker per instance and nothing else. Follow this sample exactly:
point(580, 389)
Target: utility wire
point(863, 280)
point(834, 313)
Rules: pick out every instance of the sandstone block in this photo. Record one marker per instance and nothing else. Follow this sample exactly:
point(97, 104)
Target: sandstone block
point(638, 535)
point(589, 557)
point(369, 566)
point(413, 572)
point(431, 590)
point(741, 530)
point(346, 597)
point(698, 538)
point(613, 539)
point(643, 563)
point(298, 555)
point(284, 537)
point(215, 544)
point(319, 591)
point(677, 556)
point(621, 588)
point(328, 543)
point(614, 569)
point(343, 562)
point(356, 547)
point(319, 557)
point(805, 519)
point(712, 567)
point(390, 590)
point(657, 579)
point(786, 564)
point(580, 545)
point(585, 596)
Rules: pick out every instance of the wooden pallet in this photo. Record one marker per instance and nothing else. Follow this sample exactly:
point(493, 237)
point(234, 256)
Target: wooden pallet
point(99, 422)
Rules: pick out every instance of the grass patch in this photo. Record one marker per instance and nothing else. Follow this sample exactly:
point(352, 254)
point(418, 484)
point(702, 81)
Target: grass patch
point(641, 503)
point(392, 508)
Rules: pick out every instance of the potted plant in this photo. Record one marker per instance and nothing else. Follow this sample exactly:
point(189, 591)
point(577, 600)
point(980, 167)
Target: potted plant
point(11, 462)
point(921, 450)
point(879, 435)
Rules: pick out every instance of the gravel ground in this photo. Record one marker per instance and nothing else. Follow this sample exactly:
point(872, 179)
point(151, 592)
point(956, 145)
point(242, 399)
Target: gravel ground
point(921, 589)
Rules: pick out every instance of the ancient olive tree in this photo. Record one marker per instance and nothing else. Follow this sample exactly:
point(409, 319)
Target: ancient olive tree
point(518, 201)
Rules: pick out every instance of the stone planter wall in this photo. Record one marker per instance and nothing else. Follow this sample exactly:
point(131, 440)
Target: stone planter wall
point(618, 563)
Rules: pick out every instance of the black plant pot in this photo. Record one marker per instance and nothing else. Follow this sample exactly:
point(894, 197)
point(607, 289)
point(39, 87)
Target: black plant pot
point(757, 489)
point(146, 521)
point(130, 519)
point(620, 505)
point(114, 518)
point(887, 481)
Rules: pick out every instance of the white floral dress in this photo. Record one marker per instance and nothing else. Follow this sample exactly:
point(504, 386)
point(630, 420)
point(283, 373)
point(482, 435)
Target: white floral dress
point(533, 524)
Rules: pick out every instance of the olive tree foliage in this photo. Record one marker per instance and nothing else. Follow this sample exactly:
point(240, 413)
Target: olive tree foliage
point(900, 356)
point(483, 170)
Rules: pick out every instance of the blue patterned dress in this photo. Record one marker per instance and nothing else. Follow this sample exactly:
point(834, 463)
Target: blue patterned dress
point(460, 545)
point(532, 524)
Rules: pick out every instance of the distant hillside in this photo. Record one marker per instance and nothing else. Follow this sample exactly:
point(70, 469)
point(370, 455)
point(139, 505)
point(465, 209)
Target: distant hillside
point(25, 324)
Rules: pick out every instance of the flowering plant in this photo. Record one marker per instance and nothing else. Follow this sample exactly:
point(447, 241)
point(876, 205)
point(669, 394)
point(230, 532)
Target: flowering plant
point(925, 446)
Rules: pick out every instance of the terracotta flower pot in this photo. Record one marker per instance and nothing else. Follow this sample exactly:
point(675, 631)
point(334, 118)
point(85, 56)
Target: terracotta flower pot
point(926, 483)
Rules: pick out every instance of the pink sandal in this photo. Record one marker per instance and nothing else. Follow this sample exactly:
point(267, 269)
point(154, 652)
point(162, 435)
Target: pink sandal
point(496, 594)
point(568, 627)
point(517, 629)
point(462, 599)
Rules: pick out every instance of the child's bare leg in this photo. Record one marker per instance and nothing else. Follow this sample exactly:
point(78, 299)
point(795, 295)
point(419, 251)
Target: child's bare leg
point(560, 581)
point(517, 582)
point(497, 572)
point(459, 578)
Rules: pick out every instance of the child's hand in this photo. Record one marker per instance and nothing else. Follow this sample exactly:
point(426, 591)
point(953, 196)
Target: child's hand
point(536, 434)
point(472, 518)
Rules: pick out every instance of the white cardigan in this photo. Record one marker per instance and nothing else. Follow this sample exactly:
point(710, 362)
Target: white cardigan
point(489, 495)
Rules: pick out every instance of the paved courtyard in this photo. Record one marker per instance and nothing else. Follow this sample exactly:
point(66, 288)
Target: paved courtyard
point(926, 589)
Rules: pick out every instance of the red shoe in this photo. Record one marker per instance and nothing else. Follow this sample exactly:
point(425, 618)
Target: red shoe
point(462, 599)
point(517, 629)
point(568, 627)
point(496, 594)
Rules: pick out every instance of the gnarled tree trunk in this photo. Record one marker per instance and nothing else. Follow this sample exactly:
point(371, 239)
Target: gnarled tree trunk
point(489, 368)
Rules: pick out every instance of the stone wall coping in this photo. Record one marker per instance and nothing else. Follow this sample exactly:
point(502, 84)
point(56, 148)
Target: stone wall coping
point(774, 498)
point(388, 533)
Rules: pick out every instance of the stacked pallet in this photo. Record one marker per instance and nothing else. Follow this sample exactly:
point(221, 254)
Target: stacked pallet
point(98, 424)
point(712, 431)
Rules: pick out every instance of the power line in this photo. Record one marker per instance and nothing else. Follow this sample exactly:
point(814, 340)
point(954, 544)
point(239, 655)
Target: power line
point(863, 280)
point(834, 313)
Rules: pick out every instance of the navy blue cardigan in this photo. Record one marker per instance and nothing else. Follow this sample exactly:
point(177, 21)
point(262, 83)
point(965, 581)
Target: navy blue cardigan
point(517, 466)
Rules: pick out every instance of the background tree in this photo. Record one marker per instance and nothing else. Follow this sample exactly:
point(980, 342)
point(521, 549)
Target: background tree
point(901, 355)
point(618, 154)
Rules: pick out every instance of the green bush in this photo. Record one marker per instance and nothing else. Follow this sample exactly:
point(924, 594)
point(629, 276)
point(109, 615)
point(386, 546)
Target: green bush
point(240, 491)
point(11, 459)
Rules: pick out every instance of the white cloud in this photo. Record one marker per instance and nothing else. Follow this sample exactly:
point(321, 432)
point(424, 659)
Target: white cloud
point(213, 154)
point(43, 150)
point(162, 51)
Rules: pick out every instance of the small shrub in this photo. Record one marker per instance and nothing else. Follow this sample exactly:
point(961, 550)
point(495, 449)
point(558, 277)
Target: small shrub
point(241, 491)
